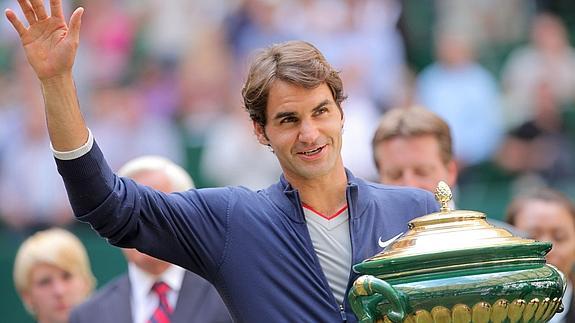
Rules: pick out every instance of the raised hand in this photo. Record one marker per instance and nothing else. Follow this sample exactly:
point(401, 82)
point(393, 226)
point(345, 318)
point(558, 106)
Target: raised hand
point(50, 44)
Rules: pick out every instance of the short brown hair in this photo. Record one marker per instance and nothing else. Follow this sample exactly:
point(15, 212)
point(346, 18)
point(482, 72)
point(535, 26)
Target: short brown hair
point(540, 194)
point(413, 122)
point(296, 62)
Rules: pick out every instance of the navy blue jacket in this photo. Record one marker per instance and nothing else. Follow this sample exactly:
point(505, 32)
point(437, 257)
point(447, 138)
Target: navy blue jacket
point(253, 246)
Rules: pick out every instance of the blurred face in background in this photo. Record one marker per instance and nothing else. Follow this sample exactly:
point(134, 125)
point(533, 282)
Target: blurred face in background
point(550, 221)
point(413, 161)
point(53, 292)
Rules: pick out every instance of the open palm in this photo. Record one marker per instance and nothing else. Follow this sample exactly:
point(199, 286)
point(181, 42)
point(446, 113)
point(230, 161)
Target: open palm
point(50, 44)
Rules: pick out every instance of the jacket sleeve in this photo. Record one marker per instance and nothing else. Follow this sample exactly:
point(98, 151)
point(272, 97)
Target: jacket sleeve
point(186, 228)
point(74, 317)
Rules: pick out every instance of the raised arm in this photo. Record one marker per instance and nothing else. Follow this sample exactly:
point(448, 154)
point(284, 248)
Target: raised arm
point(50, 45)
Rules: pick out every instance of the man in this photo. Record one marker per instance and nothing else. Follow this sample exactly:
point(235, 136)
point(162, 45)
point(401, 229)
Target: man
point(413, 147)
point(132, 297)
point(549, 215)
point(282, 254)
point(52, 274)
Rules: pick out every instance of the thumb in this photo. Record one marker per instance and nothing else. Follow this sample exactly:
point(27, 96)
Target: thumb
point(75, 23)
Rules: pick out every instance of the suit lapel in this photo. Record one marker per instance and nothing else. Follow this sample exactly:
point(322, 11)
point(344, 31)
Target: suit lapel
point(190, 299)
point(118, 308)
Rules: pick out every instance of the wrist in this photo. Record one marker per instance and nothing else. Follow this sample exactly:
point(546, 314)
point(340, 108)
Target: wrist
point(57, 80)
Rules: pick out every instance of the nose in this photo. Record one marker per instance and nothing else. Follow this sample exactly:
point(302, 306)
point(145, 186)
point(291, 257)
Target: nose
point(308, 132)
point(59, 287)
point(409, 179)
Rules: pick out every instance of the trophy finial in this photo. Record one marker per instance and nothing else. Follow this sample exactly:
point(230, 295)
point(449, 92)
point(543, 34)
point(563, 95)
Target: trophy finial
point(443, 196)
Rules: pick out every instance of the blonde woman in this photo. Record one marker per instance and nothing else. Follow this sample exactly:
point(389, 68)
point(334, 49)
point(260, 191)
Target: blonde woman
point(52, 274)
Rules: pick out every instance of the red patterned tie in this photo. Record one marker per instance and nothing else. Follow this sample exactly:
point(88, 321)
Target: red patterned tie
point(162, 312)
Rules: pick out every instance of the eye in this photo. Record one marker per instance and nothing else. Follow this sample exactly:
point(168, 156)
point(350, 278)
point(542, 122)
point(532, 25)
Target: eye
point(288, 120)
point(394, 175)
point(321, 110)
point(559, 236)
point(66, 275)
point(44, 281)
point(422, 173)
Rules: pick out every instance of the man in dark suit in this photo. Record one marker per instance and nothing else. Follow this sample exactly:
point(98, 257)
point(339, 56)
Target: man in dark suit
point(136, 296)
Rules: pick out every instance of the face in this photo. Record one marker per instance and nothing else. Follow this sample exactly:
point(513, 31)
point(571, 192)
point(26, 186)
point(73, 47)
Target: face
point(304, 128)
point(147, 263)
point(550, 221)
point(53, 293)
point(413, 161)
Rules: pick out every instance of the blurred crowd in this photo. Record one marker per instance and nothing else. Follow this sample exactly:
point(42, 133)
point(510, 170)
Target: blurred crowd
point(164, 77)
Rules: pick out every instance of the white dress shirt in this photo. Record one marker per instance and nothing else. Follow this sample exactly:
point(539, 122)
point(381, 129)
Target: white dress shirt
point(144, 301)
point(76, 153)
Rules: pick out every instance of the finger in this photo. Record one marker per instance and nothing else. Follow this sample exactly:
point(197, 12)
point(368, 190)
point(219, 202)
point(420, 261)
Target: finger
point(28, 11)
point(56, 8)
point(38, 6)
point(75, 23)
point(20, 28)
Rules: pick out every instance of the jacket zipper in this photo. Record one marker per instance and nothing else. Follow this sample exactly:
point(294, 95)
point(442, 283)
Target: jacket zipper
point(350, 211)
point(340, 306)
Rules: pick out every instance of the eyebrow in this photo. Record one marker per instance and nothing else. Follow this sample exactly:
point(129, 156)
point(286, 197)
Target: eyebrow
point(280, 115)
point(322, 104)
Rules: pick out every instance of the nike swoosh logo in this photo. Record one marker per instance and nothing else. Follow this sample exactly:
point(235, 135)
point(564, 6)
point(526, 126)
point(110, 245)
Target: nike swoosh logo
point(386, 243)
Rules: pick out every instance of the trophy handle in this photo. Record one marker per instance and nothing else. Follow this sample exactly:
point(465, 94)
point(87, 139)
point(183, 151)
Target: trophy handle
point(368, 291)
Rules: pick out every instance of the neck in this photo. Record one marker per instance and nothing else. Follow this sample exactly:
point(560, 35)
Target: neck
point(326, 194)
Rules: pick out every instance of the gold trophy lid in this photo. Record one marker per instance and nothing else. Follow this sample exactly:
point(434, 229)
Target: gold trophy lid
point(448, 231)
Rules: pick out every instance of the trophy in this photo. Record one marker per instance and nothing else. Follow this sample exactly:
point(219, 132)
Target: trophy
point(452, 266)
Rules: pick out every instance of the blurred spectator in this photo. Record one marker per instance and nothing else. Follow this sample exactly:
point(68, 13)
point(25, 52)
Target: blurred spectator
point(538, 152)
point(464, 94)
point(125, 130)
point(52, 274)
point(564, 9)
point(413, 147)
point(131, 297)
point(548, 215)
point(548, 59)
point(210, 98)
point(31, 194)
point(490, 185)
point(108, 35)
point(495, 27)
point(253, 24)
point(166, 29)
point(233, 157)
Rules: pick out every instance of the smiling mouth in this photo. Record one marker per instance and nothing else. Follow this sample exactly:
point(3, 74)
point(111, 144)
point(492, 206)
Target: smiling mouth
point(312, 152)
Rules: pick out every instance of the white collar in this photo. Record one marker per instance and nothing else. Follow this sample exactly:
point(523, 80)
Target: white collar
point(141, 281)
point(560, 317)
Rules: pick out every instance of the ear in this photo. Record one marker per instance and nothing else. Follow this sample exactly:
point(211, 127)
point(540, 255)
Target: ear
point(27, 300)
point(260, 133)
point(451, 173)
point(342, 119)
